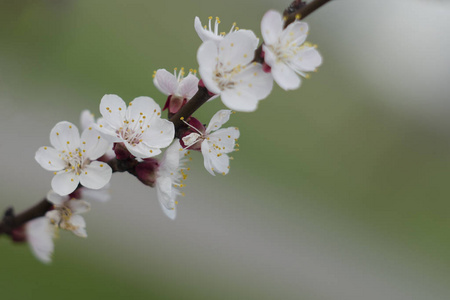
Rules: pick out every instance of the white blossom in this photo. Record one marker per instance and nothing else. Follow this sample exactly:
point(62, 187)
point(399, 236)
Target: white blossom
point(40, 233)
point(216, 143)
point(286, 52)
point(227, 69)
point(73, 159)
point(87, 119)
point(139, 126)
point(210, 33)
point(170, 177)
point(178, 87)
point(66, 213)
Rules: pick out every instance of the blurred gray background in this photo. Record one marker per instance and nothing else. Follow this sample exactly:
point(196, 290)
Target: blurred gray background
point(339, 191)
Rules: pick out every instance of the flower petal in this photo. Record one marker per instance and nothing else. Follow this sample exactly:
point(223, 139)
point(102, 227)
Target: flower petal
point(188, 86)
point(142, 150)
point(56, 199)
point(49, 159)
point(307, 60)
point(295, 33)
point(78, 222)
point(237, 48)
point(65, 136)
point(205, 34)
point(95, 175)
point(206, 152)
point(207, 57)
point(65, 183)
point(100, 195)
point(166, 196)
point(219, 118)
point(93, 144)
point(143, 110)
point(165, 82)
point(86, 119)
point(271, 26)
point(285, 77)
point(225, 138)
point(79, 206)
point(40, 237)
point(160, 134)
point(113, 109)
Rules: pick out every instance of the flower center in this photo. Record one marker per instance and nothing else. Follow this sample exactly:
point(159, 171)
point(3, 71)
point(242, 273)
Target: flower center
point(75, 161)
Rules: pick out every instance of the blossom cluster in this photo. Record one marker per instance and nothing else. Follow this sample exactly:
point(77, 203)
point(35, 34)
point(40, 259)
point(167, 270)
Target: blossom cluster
point(136, 139)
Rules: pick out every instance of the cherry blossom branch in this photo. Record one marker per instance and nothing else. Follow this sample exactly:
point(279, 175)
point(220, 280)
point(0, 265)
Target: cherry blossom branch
point(298, 9)
point(11, 221)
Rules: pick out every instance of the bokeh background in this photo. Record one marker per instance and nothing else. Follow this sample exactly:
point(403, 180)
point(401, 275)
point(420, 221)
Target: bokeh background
point(340, 190)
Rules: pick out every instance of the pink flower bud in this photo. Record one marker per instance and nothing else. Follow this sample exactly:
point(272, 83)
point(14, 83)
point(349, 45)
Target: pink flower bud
point(146, 171)
point(121, 151)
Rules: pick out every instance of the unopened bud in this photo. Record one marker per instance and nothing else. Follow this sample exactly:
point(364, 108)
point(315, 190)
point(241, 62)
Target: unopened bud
point(146, 171)
point(18, 235)
point(121, 151)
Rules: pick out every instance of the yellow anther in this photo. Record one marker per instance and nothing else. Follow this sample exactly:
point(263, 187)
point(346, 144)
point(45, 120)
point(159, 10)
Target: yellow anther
point(182, 118)
point(210, 17)
point(298, 16)
point(101, 166)
point(57, 133)
point(45, 148)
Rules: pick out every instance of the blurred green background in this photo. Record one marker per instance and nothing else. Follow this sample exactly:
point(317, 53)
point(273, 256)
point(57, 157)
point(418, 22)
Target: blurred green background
point(339, 191)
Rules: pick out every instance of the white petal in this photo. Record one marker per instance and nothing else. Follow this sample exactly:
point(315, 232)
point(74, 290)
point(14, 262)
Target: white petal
point(93, 144)
point(142, 150)
point(251, 36)
point(171, 159)
point(219, 118)
point(166, 196)
point(165, 82)
point(254, 82)
point(225, 138)
point(271, 26)
point(207, 57)
point(143, 109)
point(237, 48)
point(269, 56)
point(95, 175)
point(79, 206)
point(86, 119)
point(207, 157)
point(78, 222)
point(113, 109)
point(56, 198)
point(65, 183)
point(295, 33)
point(220, 163)
point(106, 130)
point(100, 195)
point(307, 60)
point(285, 77)
point(40, 237)
point(204, 34)
point(160, 134)
point(65, 136)
point(188, 86)
point(238, 101)
point(49, 159)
